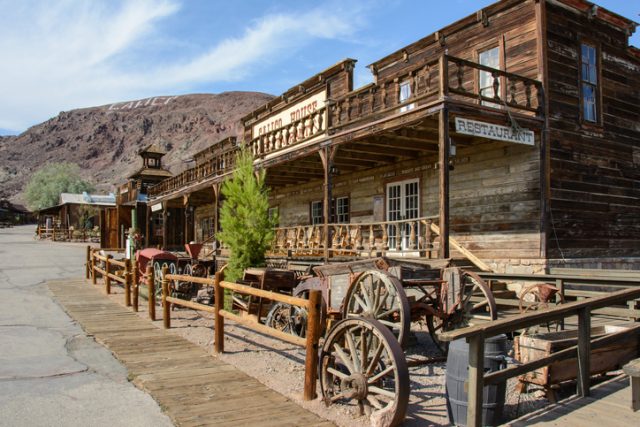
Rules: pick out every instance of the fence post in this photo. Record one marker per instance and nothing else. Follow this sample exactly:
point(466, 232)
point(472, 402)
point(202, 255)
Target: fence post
point(127, 282)
point(88, 263)
point(107, 279)
point(166, 316)
point(476, 380)
point(560, 286)
point(135, 283)
point(218, 327)
point(584, 351)
point(94, 279)
point(311, 353)
point(151, 299)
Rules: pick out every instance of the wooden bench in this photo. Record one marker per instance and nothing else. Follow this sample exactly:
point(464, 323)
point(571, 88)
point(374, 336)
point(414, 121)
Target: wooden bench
point(633, 370)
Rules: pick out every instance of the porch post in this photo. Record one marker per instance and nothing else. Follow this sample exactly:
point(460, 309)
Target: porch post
point(216, 214)
point(326, 156)
point(443, 154)
point(165, 206)
point(147, 232)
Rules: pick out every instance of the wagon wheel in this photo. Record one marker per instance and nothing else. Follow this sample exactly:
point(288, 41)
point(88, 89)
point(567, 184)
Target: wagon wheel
point(380, 296)
point(541, 296)
point(198, 270)
point(287, 318)
point(361, 362)
point(157, 275)
point(475, 305)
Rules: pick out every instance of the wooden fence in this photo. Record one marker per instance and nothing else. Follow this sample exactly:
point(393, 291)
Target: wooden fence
point(111, 270)
point(312, 305)
point(476, 336)
point(574, 285)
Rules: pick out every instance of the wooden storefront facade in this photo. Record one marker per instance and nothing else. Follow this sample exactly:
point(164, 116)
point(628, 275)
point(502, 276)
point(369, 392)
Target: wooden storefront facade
point(493, 131)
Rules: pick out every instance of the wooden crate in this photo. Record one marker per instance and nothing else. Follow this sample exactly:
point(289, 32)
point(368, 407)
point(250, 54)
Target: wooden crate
point(533, 347)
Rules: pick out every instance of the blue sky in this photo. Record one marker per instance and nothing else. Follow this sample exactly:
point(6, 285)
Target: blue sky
point(68, 54)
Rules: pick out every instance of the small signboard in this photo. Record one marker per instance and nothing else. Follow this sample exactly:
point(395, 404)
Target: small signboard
point(493, 131)
point(157, 207)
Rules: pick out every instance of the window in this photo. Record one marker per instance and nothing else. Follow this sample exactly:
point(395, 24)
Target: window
point(404, 95)
point(488, 58)
point(589, 78)
point(316, 213)
point(342, 209)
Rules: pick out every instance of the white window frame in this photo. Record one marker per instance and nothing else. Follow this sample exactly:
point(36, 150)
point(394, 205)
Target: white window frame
point(404, 94)
point(317, 211)
point(485, 75)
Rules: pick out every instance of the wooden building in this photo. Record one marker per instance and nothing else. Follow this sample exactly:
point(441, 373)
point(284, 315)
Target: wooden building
point(510, 137)
point(133, 196)
point(77, 211)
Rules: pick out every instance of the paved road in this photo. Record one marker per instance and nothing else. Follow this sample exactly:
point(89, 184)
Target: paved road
point(51, 373)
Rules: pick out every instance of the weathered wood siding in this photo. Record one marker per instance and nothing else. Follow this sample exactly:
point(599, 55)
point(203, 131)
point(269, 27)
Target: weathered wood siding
point(495, 197)
point(595, 170)
point(513, 27)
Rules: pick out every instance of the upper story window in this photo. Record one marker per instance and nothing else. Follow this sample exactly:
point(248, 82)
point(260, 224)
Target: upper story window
point(589, 83)
point(489, 58)
point(404, 95)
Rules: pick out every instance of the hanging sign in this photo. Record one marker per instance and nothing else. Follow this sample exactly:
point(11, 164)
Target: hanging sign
point(493, 131)
point(157, 207)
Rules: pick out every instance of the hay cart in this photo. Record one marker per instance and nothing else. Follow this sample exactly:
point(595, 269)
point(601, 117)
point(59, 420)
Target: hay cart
point(368, 307)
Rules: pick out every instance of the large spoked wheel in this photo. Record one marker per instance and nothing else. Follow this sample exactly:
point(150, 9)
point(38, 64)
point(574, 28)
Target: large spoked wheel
point(362, 363)
point(379, 296)
point(287, 318)
point(157, 275)
point(474, 305)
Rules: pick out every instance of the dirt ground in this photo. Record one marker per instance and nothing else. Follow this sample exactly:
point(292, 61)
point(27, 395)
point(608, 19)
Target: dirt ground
point(280, 366)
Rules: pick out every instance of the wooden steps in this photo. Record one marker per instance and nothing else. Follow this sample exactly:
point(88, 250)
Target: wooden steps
point(193, 387)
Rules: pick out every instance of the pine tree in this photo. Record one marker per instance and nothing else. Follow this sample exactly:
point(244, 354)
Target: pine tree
point(244, 217)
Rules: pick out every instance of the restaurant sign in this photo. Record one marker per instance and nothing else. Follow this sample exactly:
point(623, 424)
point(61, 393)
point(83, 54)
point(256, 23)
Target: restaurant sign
point(296, 112)
point(493, 131)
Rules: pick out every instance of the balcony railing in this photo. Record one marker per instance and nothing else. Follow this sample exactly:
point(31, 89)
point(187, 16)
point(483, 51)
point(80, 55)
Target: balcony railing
point(298, 132)
point(377, 101)
point(216, 166)
point(411, 236)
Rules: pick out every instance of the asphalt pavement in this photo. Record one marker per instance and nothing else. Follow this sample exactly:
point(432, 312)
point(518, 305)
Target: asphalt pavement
point(51, 372)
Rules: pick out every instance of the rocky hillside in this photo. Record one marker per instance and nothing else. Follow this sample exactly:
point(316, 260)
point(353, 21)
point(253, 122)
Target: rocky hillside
point(104, 141)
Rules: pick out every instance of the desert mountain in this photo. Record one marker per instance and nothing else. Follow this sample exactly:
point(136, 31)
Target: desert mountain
point(104, 141)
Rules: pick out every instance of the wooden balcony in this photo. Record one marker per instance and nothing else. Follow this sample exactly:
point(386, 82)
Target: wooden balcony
point(297, 133)
point(219, 165)
point(413, 237)
point(447, 78)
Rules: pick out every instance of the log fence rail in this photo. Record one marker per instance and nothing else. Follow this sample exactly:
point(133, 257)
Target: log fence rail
point(312, 305)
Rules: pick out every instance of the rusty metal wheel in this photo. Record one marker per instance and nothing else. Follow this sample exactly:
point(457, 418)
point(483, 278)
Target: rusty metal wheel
point(380, 296)
point(361, 363)
point(287, 318)
point(541, 296)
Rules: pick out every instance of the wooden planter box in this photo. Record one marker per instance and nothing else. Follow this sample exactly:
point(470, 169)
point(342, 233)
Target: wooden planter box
point(533, 347)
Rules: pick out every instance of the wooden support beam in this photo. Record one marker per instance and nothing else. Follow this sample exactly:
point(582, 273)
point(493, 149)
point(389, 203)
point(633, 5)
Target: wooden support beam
point(327, 155)
point(165, 217)
point(584, 351)
point(476, 381)
point(443, 157)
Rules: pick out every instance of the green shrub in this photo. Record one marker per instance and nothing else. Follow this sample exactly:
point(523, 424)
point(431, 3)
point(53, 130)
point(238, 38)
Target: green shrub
point(246, 227)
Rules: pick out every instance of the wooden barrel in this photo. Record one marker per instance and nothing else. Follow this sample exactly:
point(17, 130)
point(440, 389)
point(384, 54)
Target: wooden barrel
point(495, 349)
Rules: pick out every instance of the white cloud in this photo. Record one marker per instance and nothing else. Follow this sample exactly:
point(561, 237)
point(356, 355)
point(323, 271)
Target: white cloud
point(73, 53)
